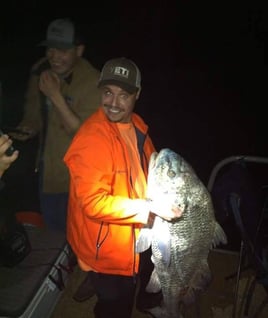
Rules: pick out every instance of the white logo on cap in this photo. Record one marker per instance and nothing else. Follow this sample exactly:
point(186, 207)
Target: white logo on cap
point(121, 71)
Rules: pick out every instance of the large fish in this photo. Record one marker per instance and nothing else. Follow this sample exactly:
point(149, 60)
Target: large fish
point(180, 247)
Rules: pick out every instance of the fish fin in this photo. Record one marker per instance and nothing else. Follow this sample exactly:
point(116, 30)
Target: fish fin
point(219, 236)
point(163, 241)
point(165, 252)
point(190, 297)
point(155, 312)
point(144, 240)
point(200, 282)
point(154, 285)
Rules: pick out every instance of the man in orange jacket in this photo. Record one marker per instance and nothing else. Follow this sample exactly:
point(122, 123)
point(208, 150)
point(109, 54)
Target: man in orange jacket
point(108, 161)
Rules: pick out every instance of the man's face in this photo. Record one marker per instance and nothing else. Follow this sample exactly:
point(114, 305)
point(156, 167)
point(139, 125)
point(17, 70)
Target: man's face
point(118, 104)
point(62, 61)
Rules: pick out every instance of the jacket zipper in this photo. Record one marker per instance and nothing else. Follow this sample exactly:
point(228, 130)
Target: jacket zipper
point(99, 243)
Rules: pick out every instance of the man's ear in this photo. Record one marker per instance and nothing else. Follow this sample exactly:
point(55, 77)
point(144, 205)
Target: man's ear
point(138, 94)
point(80, 50)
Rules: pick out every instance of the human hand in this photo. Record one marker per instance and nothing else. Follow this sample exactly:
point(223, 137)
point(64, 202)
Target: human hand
point(5, 160)
point(165, 207)
point(49, 83)
point(22, 133)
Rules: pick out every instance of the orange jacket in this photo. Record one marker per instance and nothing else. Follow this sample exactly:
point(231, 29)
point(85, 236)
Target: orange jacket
point(104, 214)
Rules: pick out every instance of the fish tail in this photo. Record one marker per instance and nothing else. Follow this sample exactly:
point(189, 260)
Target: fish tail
point(219, 236)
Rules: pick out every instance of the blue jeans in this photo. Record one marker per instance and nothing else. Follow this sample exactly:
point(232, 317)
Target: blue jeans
point(53, 207)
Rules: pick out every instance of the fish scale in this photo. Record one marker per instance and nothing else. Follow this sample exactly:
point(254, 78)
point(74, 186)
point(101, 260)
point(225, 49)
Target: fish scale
point(180, 248)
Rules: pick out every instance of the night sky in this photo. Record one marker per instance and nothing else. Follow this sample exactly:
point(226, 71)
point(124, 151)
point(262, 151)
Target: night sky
point(203, 64)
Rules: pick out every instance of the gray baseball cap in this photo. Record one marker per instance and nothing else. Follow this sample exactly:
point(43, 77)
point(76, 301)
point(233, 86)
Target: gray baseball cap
point(60, 34)
point(121, 72)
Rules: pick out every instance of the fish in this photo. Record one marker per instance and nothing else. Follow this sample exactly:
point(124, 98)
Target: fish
point(180, 247)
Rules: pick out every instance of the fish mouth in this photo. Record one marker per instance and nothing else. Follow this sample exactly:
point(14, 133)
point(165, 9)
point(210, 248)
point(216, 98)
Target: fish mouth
point(163, 155)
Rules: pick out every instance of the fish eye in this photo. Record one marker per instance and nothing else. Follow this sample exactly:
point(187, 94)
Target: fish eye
point(171, 173)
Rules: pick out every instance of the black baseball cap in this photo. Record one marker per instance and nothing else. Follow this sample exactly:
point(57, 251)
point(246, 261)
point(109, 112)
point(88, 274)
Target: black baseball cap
point(121, 72)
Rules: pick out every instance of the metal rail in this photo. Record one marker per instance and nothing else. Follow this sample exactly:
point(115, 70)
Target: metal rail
point(222, 163)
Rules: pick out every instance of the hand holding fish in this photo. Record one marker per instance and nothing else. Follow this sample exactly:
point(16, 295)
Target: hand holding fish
point(165, 208)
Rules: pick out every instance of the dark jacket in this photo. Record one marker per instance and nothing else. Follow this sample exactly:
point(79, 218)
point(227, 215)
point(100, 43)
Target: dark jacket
point(83, 97)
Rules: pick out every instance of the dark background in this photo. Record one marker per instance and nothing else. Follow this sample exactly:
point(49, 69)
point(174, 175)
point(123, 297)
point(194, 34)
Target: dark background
point(203, 64)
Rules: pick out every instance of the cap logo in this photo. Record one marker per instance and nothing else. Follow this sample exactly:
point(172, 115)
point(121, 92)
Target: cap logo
point(121, 71)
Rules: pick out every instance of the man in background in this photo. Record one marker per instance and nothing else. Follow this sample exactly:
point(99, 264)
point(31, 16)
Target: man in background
point(62, 92)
